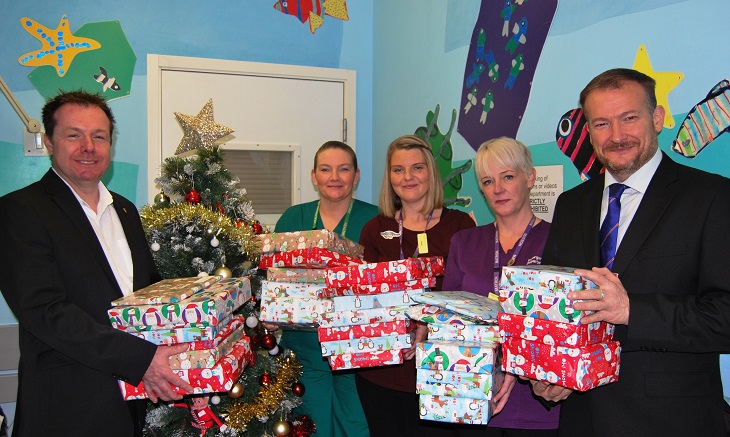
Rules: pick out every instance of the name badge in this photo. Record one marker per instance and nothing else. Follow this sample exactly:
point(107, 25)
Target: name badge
point(422, 243)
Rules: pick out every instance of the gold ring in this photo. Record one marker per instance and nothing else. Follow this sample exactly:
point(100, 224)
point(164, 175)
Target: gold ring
point(603, 294)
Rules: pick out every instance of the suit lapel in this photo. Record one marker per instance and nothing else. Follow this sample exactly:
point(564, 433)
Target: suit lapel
point(590, 222)
point(656, 200)
point(67, 202)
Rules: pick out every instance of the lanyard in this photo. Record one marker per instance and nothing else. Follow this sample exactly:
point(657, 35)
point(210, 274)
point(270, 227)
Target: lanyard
point(400, 232)
point(515, 253)
point(344, 226)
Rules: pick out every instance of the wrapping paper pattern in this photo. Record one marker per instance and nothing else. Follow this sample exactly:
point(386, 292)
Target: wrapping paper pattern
point(575, 368)
point(472, 305)
point(323, 239)
point(541, 291)
point(294, 274)
point(456, 356)
point(371, 330)
point(208, 306)
point(366, 344)
point(554, 333)
point(461, 332)
point(362, 317)
point(206, 358)
point(454, 409)
point(167, 291)
point(432, 314)
point(459, 384)
point(292, 310)
point(220, 378)
point(229, 326)
point(367, 301)
point(391, 271)
point(313, 257)
point(203, 334)
point(367, 359)
point(383, 287)
point(301, 290)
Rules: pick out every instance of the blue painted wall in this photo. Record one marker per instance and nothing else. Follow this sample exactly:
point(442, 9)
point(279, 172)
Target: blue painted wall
point(409, 57)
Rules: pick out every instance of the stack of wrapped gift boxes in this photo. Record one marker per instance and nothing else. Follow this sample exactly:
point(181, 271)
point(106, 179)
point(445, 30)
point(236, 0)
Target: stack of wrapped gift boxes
point(294, 294)
point(457, 368)
point(367, 326)
point(196, 311)
point(543, 337)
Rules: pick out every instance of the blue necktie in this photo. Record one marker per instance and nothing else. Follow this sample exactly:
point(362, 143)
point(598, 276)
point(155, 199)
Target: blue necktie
point(609, 228)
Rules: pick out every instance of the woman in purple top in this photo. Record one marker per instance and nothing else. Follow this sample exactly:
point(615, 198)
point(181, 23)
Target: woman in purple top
point(505, 175)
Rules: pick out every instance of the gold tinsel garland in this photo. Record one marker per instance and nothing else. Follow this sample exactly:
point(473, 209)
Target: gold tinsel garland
point(160, 218)
point(268, 398)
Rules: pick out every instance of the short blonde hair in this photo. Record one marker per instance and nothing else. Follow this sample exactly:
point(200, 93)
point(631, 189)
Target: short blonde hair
point(504, 152)
point(389, 201)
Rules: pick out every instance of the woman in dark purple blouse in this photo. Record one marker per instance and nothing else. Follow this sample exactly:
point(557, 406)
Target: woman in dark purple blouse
point(505, 175)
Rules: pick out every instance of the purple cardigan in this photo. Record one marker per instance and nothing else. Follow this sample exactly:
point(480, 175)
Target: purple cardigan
point(470, 267)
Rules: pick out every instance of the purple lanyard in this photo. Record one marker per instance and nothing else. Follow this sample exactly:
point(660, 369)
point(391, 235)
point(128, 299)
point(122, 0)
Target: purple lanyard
point(517, 249)
point(400, 232)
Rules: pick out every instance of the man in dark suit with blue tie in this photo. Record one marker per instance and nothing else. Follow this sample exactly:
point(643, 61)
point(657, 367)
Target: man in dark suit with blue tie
point(69, 247)
point(656, 244)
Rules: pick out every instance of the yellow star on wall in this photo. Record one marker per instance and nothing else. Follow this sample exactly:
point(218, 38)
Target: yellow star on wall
point(59, 46)
point(200, 131)
point(665, 82)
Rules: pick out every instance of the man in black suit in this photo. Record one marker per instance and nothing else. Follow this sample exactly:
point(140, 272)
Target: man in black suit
point(69, 247)
point(668, 291)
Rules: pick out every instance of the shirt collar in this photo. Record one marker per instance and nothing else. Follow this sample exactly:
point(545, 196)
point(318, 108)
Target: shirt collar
point(105, 197)
point(639, 181)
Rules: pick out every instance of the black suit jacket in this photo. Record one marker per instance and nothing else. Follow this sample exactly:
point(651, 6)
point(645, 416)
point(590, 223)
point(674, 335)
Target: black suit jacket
point(59, 284)
point(674, 263)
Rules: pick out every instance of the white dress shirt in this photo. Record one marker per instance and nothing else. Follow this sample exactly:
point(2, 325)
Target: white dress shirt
point(109, 232)
point(636, 186)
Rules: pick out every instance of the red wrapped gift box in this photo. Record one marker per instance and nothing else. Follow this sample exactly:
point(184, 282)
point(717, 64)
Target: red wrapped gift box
point(367, 359)
point(217, 379)
point(313, 257)
point(551, 332)
point(575, 368)
point(371, 330)
point(389, 271)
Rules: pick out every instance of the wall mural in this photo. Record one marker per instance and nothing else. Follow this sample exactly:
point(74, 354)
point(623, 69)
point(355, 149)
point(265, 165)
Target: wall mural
point(506, 44)
point(97, 57)
point(313, 10)
point(443, 152)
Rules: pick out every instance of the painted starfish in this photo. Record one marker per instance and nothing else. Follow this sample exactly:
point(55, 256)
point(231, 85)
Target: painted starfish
point(59, 46)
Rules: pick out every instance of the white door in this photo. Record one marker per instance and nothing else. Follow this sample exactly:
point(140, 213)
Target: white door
point(269, 107)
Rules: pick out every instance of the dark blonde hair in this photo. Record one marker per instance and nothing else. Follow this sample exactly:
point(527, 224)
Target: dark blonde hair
point(502, 151)
point(389, 201)
point(339, 145)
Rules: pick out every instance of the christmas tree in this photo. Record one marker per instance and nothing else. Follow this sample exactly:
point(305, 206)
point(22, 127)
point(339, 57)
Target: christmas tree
point(202, 223)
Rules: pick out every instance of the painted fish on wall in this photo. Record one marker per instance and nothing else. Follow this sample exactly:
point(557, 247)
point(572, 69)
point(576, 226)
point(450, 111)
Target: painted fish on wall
point(575, 143)
point(313, 10)
point(706, 121)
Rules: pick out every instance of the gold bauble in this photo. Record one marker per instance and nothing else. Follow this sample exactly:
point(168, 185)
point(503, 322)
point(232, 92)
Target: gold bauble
point(236, 391)
point(281, 428)
point(223, 272)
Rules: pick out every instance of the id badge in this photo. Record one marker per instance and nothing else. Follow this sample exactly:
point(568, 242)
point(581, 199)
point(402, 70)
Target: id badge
point(422, 243)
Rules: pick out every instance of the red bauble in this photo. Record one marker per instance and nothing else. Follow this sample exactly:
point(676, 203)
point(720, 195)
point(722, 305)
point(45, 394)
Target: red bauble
point(266, 379)
point(192, 197)
point(257, 228)
point(298, 389)
point(268, 341)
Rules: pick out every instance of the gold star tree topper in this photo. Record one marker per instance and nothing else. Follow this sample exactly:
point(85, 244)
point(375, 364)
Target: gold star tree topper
point(200, 131)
